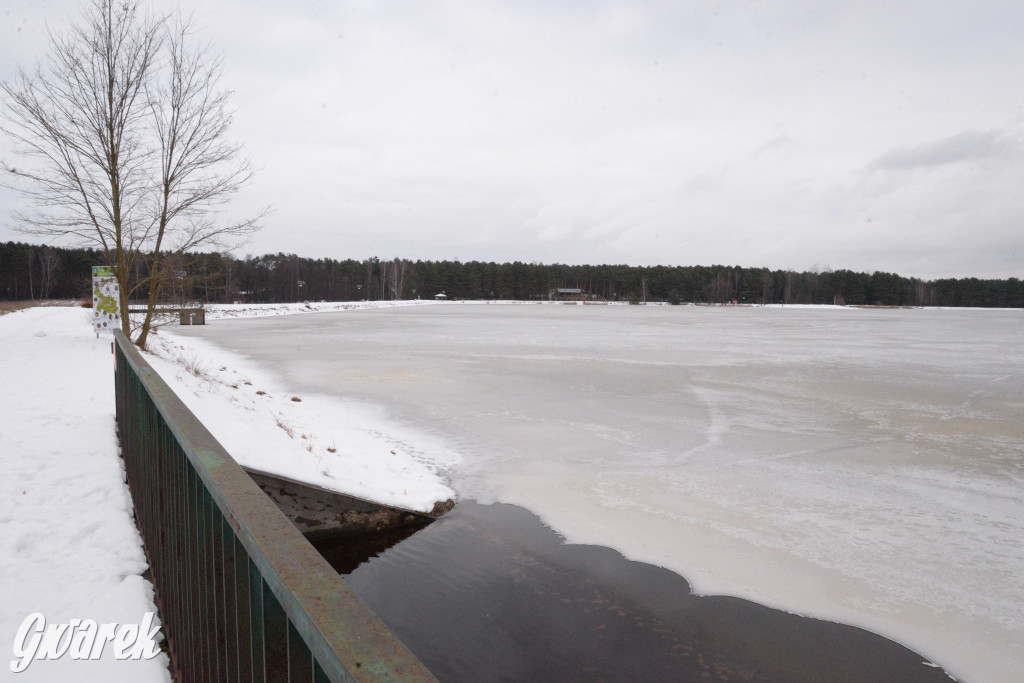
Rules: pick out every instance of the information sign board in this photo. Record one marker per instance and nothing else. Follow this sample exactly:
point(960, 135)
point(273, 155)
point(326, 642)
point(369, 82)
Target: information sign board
point(106, 300)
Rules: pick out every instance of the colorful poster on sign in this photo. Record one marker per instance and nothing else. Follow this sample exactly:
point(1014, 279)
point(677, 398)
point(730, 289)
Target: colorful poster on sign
point(106, 300)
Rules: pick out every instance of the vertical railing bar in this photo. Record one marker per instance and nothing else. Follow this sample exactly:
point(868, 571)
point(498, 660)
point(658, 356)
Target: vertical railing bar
point(161, 559)
point(186, 652)
point(258, 624)
point(156, 491)
point(210, 584)
point(275, 637)
point(216, 589)
point(189, 604)
point(243, 612)
point(196, 654)
point(178, 549)
point(300, 659)
point(202, 587)
point(229, 609)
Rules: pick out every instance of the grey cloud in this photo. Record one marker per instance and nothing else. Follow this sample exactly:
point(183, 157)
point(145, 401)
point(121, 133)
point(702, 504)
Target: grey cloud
point(780, 144)
point(970, 145)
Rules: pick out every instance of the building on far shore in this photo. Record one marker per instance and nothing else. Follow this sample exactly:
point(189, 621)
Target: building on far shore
point(567, 294)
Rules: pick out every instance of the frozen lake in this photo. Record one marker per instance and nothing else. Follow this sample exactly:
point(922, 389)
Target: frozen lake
point(865, 466)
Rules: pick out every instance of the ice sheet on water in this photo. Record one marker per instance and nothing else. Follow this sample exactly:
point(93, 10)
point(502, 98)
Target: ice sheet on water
point(860, 465)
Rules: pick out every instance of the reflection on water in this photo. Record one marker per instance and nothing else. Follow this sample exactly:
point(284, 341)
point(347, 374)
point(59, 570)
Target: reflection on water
point(347, 553)
point(489, 593)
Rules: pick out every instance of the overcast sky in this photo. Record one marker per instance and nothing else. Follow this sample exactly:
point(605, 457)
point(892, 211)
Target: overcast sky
point(866, 135)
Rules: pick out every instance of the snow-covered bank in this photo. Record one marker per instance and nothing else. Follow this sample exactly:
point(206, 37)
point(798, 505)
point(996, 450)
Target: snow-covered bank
point(226, 311)
point(68, 546)
point(222, 311)
point(340, 445)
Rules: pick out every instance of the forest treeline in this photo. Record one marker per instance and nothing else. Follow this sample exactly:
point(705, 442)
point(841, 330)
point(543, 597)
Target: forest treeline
point(42, 272)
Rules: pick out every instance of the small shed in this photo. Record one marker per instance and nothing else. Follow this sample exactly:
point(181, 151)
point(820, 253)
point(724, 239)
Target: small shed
point(567, 294)
point(440, 297)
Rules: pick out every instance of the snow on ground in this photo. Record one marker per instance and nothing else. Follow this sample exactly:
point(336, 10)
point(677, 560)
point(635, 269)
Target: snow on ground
point(221, 311)
point(69, 548)
point(225, 311)
point(327, 441)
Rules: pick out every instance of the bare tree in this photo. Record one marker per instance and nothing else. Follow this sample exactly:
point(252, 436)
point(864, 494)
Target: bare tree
point(787, 292)
point(384, 268)
point(229, 282)
point(397, 274)
point(812, 277)
point(767, 286)
point(49, 266)
point(31, 259)
point(78, 125)
point(124, 138)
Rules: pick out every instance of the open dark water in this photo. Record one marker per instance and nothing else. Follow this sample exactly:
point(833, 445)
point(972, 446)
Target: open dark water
point(489, 593)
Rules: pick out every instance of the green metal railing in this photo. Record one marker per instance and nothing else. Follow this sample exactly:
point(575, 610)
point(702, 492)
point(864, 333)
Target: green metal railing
point(242, 595)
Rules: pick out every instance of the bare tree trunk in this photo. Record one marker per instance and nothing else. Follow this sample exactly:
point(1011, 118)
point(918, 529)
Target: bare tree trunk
point(31, 254)
point(383, 279)
point(398, 278)
point(49, 265)
point(767, 286)
point(229, 283)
